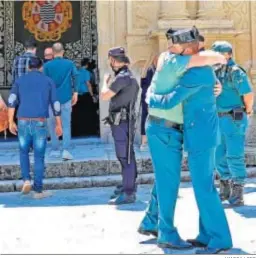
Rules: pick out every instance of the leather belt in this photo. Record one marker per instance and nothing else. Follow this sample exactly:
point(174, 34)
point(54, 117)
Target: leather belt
point(221, 114)
point(166, 123)
point(39, 119)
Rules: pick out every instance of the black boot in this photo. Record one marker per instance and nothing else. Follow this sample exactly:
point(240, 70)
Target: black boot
point(225, 189)
point(237, 195)
point(123, 198)
point(118, 190)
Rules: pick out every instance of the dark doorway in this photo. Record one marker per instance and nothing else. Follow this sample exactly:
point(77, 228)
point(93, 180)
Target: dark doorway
point(74, 24)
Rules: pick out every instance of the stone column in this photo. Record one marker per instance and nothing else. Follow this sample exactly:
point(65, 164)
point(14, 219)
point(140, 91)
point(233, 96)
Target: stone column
point(253, 40)
point(192, 7)
point(211, 10)
point(173, 10)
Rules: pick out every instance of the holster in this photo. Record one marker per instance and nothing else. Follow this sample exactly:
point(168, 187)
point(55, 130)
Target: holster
point(115, 118)
point(238, 114)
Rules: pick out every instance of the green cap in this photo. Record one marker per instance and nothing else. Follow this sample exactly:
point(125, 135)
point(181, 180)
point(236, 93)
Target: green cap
point(222, 46)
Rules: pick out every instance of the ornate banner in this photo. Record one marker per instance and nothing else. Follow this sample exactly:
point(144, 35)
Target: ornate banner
point(47, 20)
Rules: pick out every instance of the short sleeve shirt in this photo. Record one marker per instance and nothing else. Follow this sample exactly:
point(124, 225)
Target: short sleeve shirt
point(235, 84)
point(84, 77)
point(126, 88)
point(171, 70)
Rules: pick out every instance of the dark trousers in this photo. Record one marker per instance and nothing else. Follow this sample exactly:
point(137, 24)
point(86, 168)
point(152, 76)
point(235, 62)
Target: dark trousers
point(85, 121)
point(144, 114)
point(129, 171)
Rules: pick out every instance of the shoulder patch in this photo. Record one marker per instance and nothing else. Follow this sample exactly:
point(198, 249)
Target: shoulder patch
point(238, 68)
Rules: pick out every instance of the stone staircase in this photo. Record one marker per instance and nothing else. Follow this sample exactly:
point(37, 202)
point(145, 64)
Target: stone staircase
point(94, 165)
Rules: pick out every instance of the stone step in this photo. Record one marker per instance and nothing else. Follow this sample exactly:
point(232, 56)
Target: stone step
point(93, 181)
point(104, 165)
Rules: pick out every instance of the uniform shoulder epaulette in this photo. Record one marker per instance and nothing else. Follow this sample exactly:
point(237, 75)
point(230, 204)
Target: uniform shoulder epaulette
point(238, 68)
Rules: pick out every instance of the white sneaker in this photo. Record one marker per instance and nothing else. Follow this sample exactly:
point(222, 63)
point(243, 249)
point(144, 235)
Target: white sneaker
point(54, 154)
point(42, 195)
point(66, 155)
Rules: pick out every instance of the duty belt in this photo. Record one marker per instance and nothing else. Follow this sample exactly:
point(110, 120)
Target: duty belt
point(166, 123)
point(229, 113)
point(221, 114)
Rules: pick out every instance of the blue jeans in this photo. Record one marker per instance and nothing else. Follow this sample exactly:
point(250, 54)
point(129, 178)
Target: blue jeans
point(32, 134)
point(66, 110)
point(230, 153)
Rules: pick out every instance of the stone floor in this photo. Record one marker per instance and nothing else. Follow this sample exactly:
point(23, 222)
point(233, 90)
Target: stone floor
point(80, 222)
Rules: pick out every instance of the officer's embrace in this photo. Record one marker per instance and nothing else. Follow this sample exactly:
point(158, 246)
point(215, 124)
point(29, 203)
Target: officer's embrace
point(122, 92)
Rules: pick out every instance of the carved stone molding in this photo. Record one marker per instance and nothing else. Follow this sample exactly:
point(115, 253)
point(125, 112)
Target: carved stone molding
point(141, 16)
point(172, 10)
point(211, 10)
point(239, 12)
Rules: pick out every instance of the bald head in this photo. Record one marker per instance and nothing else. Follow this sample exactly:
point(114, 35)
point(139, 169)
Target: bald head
point(58, 49)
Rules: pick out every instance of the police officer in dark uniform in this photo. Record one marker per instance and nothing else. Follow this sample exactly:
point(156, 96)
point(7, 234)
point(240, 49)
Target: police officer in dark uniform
point(122, 92)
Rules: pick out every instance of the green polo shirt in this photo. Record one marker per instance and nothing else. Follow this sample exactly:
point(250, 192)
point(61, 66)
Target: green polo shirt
point(172, 68)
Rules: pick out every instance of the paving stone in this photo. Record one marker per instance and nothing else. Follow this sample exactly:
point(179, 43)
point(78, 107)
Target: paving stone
point(7, 186)
point(91, 158)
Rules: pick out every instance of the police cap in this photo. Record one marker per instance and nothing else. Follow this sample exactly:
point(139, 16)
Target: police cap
point(183, 36)
point(169, 33)
point(116, 51)
point(222, 47)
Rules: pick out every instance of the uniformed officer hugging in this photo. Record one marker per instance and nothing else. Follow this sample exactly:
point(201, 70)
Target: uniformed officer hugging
point(122, 94)
point(182, 107)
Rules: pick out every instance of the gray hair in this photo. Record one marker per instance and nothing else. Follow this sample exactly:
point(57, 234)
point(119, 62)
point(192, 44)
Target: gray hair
point(57, 48)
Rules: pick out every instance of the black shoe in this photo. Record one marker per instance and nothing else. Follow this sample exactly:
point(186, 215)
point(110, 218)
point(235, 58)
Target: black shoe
point(209, 250)
point(147, 232)
point(118, 190)
point(225, 189)
point(123, 198)
point(179, 245)
point(237, 195)
point(196, 243)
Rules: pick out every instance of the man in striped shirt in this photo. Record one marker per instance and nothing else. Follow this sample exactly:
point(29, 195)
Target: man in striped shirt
point(20, 63)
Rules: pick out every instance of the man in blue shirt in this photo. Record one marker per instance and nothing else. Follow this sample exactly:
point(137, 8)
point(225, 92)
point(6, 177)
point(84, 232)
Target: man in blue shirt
point(66, 77)
point(234, 105)
point(32, 94)
point(84, 78)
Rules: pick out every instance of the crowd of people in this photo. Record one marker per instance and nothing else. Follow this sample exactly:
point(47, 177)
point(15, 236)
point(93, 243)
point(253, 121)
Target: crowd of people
point(45, 94)
point(193, 99)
